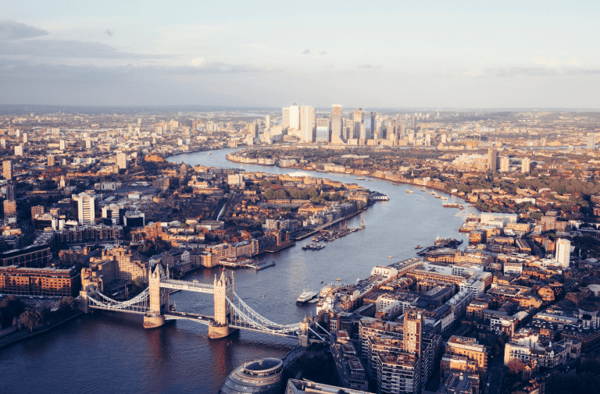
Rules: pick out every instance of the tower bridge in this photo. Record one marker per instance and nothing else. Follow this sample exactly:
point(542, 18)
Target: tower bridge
point(231, 313)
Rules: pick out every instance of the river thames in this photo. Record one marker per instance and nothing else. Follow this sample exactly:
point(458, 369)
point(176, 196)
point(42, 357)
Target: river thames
point(108, 352)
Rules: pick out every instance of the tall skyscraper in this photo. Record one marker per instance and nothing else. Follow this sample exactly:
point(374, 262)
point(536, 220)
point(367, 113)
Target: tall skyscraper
point(591, 141)
point(307, 124)
point(525, 165)
point(323, 130)
point(62, 145)
point(295, 117)
point(563, 252)
point(86, 208)
point(285, 117)
point(348, 129)
point(18, 150)
point(362, 132)
point(122, 160)
point(25, 139)
point(267, 122)
point(7, 169)
point(88, 144)
point(373, 125)
point(50, 160)
point(358, 115)
point(358, 119)
point(391, 129)
point(492, 159)
point(336, 120)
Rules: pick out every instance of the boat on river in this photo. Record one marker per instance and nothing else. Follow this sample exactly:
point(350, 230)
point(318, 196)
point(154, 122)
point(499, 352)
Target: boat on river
point(313, 246)
point(306, 296)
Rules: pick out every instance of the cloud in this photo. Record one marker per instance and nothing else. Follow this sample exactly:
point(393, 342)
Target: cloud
point(109, 33)
point(306, 52)
point(321, 53)
point(199, 61)
point(574, 62)
point(11, 30)
point(542, 71)
point(368, 66)
point(19, 71)
point(47, 48)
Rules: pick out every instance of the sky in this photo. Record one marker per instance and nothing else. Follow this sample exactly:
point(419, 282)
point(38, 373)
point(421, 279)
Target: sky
point(397, 54)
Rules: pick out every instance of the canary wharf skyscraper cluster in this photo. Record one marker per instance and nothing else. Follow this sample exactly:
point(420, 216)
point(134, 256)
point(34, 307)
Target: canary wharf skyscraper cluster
point(357, 129)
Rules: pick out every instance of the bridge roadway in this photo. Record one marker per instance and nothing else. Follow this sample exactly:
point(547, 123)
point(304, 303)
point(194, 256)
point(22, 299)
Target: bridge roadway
point(139, 312)
point(187, 286)
point(175, 315)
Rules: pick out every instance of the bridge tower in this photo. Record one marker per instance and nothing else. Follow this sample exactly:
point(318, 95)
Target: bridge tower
point(153, 318)
point(223, 290)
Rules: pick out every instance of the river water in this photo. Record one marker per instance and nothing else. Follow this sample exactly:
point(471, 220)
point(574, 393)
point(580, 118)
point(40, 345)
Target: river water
point(109, 352)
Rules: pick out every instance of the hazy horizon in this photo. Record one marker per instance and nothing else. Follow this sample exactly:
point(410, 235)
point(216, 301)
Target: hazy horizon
point(270, 54)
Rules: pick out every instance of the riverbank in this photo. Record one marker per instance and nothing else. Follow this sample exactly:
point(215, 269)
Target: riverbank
point(23, 334)
point(236, 159)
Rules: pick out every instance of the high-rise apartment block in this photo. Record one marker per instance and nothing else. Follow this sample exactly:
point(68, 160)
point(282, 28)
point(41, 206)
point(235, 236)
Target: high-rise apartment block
point(62, 145)
point(7, 170)
point(526, 165)
point(591, 141)
point(122, 160)
point(86, 208)
point(10, 209)
point(10, 193)
point(563, 252)
point(413, 328)
point(504, 164)
point(492, 159)
point(18, 150)
point(51, 161)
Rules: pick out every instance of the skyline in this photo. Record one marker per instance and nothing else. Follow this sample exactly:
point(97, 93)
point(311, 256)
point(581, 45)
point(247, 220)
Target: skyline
point(390, 56)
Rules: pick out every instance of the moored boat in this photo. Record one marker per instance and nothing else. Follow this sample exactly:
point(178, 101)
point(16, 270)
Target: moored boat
point(306, 296)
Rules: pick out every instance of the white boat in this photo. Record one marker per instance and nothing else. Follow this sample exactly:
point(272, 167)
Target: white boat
point(306, 296)
point(409, 191)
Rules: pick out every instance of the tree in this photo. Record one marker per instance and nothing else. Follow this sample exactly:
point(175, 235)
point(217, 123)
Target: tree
point(31, 319)
point(515, 366)
point(66, 305)
point(10, 307)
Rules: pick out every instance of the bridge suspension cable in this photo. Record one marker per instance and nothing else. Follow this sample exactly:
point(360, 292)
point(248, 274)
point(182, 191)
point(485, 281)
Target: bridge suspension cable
point(252, 314)
point(247, 318)
point(139, 303)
